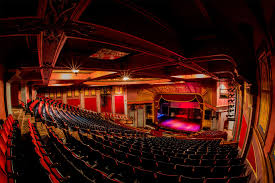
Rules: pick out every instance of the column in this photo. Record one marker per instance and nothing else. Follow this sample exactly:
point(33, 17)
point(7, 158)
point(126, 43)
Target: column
point(2, 98)
point(82, 98)
point(64, 96)
point(34, 93)
point(8, 97)
point(23, 92)
point(113, 101)
point(98, 101)
point(125, 102)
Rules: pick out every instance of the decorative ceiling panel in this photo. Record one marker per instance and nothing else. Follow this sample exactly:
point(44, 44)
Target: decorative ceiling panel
point(108, 54)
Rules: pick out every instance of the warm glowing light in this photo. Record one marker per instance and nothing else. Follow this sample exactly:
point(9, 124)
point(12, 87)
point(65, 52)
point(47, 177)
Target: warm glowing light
point(120, 81)
point(125, 78)
point(192, 76)
point(75, 74)
point(64, 84)
point(75, 71)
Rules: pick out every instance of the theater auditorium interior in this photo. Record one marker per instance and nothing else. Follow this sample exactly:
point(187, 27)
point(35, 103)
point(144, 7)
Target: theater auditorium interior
point(137, 91)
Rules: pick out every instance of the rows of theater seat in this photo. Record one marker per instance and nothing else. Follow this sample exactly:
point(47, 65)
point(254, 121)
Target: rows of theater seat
point(141, 159)
point(49, 112)
point(211, 134)
point(8, 135)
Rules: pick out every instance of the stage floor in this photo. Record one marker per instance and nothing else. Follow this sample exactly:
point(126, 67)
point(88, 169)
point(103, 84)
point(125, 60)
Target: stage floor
point(178, 124)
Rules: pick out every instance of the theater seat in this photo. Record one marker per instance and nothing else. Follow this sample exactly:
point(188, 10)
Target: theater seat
point(184, 179)
point(165, 178)
point(145, 176)
point(216, 180)
point(240, 179)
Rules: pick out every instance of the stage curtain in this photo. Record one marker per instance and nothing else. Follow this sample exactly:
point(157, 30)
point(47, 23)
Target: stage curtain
point(119, 104)
point(90, 104)
point(179, 98)
point(74, 102)
point(106, 104)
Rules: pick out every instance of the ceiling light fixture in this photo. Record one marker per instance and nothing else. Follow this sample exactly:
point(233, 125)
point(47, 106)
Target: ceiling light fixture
point(75, 71)
point(125, 78)
point(125, 75)
point(74, 66)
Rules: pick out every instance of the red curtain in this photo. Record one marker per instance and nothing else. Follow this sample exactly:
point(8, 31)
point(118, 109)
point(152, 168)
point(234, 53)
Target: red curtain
point(106, 104)
point(119, 104)
point(90, 104)
point(74, 102)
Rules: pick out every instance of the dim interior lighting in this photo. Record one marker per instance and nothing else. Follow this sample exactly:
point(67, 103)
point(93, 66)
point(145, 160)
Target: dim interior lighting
point(125, 78)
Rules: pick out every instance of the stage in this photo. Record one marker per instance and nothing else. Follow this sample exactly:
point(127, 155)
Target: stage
point(180, 124)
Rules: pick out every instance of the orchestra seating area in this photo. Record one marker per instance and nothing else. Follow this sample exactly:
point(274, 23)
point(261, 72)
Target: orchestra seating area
point(211, 134)
point(98, 150)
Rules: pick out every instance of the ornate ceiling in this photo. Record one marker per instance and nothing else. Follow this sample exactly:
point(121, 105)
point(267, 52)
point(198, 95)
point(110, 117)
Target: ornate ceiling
point(174, 38)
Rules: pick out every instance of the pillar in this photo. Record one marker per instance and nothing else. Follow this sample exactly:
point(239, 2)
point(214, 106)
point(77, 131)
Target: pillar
point(8, 97)
point(125, 102)
point(98, 101)
point(113, 101)
point(24, 92)
point(82, 98)
point(34, 93)
point(64, 97)
point(2, 97)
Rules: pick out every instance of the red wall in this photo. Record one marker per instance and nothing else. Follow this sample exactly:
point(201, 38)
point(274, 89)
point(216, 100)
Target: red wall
point(243, 133)
point(90, 104)
point(74, 102)
point(119, 104)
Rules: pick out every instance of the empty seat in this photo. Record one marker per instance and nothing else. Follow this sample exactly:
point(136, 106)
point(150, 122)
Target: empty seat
point(148, 164)
point(164, 178)
point(185, 179)
point(145, 176)
point(219, 171)
point(194, 162)
point(221, 162)
point(207, 162)
point(185, 170)
point(236, 170)
point(216, 180)
point(202, 171)
point(165, 167)
point(239, 179)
